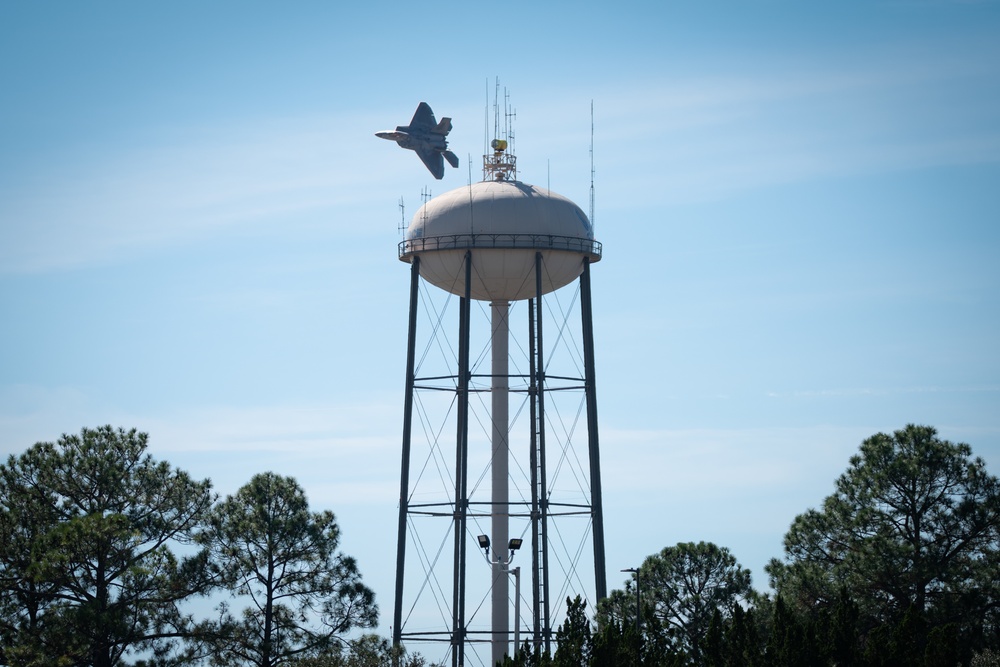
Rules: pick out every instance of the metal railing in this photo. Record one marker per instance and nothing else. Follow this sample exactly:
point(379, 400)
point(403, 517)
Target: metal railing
point(500, 241)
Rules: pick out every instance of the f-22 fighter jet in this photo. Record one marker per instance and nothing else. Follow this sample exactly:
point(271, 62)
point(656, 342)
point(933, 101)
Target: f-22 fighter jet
point(426, 137)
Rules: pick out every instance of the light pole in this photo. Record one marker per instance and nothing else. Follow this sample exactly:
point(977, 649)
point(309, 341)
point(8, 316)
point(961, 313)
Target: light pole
point(638, 603)
point(517, 608)
point(501, 633)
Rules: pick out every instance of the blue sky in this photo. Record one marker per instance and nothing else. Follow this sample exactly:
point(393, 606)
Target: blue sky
point(798, 202)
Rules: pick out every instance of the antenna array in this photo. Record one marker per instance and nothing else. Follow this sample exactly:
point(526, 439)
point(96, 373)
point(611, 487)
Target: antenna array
point(501, 165)
point(425, 196)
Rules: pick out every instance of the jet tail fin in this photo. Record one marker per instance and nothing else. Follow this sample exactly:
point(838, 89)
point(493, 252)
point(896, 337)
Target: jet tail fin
point(451, 158)
point(444, 127)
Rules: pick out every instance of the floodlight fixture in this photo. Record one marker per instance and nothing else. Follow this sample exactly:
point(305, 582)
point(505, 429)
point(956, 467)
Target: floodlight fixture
point(484, 544)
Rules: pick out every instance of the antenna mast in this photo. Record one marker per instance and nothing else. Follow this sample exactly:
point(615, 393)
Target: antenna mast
point(591, 164)
point(425, 196)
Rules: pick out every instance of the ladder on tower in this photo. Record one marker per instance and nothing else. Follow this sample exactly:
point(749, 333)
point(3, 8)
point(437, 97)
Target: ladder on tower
point(539, 494)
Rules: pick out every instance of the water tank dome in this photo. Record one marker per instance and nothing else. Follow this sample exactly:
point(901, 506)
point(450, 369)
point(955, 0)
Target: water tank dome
point(505, 224)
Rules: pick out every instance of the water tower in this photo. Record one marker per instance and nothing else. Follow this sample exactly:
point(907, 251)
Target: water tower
point(503, 252)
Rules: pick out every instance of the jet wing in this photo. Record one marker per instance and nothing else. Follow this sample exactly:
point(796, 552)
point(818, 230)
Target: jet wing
point(423, 117)
point(433, 160)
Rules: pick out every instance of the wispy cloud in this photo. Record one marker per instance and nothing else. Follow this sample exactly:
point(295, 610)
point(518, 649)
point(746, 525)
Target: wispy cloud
point(729, 461)
point(662, 140)
point(325, 444)
point(749, 462)
point(188, 183)
point(694, 139)
point(888, 391)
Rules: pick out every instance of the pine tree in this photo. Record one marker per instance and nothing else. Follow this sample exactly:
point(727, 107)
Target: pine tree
point(88, 573)
point(282, 559)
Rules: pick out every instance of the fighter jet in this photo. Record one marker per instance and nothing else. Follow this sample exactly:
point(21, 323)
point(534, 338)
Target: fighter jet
point(426, 136)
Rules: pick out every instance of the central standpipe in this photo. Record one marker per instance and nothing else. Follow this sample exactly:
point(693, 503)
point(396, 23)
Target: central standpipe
point(500, 500)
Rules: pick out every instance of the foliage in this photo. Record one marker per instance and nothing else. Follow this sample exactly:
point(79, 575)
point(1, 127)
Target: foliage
point(302, 594)
point(574, 636)
point(103, 546)
point(526, 656)
point(681, 589)
point(986, 658)
point(368, 650)
point(742, 642)
point(912, 533)
point(609, 647)
point(88, 575)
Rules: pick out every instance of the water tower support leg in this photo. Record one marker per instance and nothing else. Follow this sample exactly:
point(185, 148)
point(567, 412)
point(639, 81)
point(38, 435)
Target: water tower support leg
point(462, 469)
point(404, 477)
point(600, 569)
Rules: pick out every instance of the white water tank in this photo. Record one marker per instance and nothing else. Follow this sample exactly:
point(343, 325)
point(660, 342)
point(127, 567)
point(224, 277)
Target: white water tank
point(504, 224)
